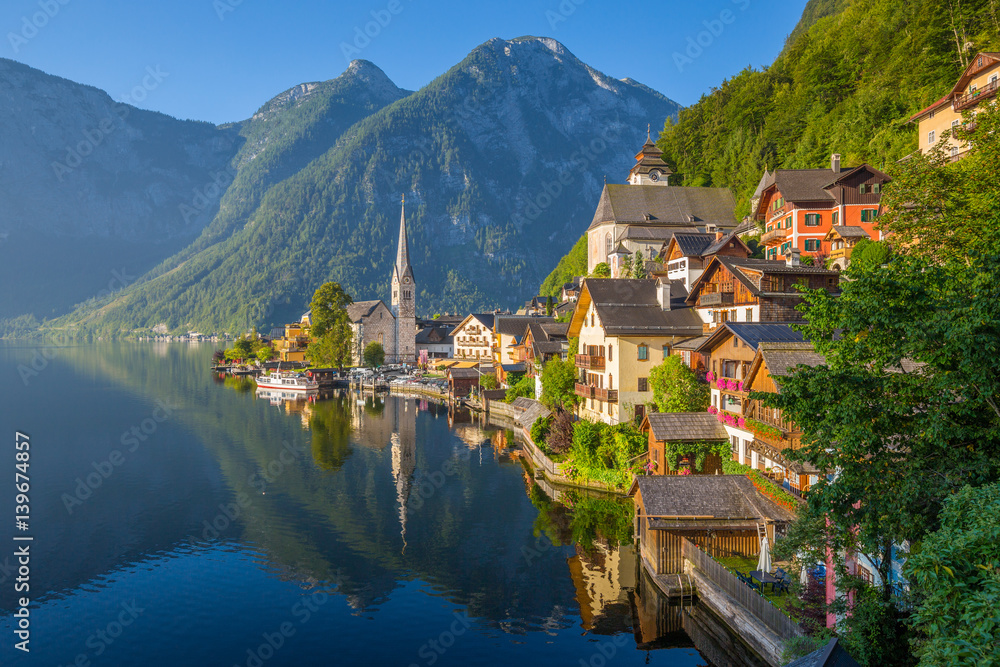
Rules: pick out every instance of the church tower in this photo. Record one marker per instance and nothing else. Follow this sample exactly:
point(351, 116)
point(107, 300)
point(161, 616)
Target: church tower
point(650, 168)
point(404, 307)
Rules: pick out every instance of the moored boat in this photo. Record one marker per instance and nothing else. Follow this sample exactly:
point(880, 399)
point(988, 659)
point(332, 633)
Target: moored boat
point(286, 382)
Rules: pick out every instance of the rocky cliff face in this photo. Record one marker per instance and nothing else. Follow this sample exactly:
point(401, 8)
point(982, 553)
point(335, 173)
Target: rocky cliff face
point(501, 159)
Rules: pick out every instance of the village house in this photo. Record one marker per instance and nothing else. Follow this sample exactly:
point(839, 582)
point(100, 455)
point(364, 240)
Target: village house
point(293, 339)
point(977, 84)
point(735, 289)
point(625, 328)
point(473, 337)
point(507, 333)
point(434, 340)
point(841, 240)
point(540, 343)
point(571, 290)
point(644, 214)
point(797, 207)
point(685, 255)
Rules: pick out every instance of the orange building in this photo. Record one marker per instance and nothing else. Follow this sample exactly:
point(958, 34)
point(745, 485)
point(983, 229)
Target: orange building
point(798, 207)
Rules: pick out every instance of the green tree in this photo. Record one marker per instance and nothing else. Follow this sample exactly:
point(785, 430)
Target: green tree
point(676, 388)
point(331, 327)
point(559, 384)
point(549, 306)
point(522, 388)
point(625, 272)
point(329, 308)
point(870, 254)
point(374, 355)
point(488, 381)
point(264, 353)
point(602, 270)
point(956, 577)
point(638, 266)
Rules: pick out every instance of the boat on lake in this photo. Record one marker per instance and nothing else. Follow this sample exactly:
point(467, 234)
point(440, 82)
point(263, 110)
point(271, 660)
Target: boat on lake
point(286, 382)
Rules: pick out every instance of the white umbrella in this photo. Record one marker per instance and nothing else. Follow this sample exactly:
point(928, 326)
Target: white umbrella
point(764, 562)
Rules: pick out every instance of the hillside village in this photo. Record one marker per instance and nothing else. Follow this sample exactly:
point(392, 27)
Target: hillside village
point(674, 275)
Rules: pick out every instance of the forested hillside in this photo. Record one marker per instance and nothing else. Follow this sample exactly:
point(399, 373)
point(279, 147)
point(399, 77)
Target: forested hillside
point(848, 84)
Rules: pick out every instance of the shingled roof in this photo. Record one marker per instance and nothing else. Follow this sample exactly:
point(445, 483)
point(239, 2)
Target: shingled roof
point(685, 426)
point(515, 325)
point(783, 358)
point(752, 334)
point(361, 309)
point(730, 497)
point(660, 205)
point(630, 308)
point(755, 266)
point(846, 231)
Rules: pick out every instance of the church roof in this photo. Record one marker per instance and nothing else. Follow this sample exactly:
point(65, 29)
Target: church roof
point(403, 268)
point(670, 206)
point(359, 310)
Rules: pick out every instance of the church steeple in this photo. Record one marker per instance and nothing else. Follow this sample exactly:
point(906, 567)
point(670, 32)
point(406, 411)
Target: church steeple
point(402, 268)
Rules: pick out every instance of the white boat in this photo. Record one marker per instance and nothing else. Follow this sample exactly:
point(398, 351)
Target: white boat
point(286, 382)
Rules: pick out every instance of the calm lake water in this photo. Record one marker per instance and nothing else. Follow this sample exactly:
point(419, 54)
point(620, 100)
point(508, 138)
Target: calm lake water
point(181, 520)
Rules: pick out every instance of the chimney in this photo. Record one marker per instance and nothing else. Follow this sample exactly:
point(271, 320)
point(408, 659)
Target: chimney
point(663, 292)
point(835, 163)
point(718, 236)
point(792, 258)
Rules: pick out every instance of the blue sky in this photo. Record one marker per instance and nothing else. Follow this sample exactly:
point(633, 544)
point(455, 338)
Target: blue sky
point(219, 60)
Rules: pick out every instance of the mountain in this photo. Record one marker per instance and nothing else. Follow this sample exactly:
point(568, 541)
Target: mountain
point(501, 160)
point(848, 80)
point(92, 190)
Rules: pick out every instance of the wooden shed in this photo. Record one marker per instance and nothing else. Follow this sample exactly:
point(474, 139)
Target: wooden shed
point(664, 428)
point(723, 514)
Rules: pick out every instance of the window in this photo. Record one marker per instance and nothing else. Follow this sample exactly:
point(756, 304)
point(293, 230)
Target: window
point(607, 244)
point(591, 319)
point(611, 352)
point(930, 137)
point(643, 352)
point(877, 188)
point(869, 214)
point(643, 384)
point(836, 217)
point(749, 314)
point(788, 222)
point(666, 351)
point(863, 188)
point(611, 381)
point(954, 124)
point(640, 413)
point(812, 245)
point(687, 357)
point(813, 220)
point(954, 151)
point(735, 442)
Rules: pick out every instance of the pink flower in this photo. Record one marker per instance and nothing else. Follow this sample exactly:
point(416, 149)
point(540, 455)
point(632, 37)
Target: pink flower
point(739, 386)
point(742, 422)
point(721, 384)
point(710, 376)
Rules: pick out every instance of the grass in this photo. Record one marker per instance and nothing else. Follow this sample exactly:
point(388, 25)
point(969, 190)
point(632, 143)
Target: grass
point(746, 564)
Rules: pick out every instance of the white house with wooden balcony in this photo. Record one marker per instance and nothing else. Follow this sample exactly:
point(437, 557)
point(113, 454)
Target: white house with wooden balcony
point(473, 338)
point(625, 327)
point(734, 289)
point(685, 255)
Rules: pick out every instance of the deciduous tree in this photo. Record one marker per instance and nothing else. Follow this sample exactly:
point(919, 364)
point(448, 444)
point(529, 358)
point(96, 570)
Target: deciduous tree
point(676, 388)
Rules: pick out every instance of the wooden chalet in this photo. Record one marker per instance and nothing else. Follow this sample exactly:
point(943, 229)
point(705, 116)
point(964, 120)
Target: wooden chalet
point(722, 514)
point(685, 255)
point(755, 290)
point(773, 434)
point(540, 343)
point(664, 428)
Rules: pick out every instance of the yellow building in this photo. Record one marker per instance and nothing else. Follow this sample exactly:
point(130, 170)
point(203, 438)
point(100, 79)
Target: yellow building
point(626, 328)
point(977, 84)
point(292, 346)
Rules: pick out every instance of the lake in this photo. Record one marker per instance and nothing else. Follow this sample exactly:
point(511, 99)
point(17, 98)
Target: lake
point(180, 519)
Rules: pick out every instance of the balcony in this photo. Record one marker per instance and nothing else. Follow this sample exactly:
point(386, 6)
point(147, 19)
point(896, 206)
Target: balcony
point(972, 99)
point(584, 390)
point(773, 235)
point(837, 253)
point(717, 299)
point(590, 362)
point(607, 395)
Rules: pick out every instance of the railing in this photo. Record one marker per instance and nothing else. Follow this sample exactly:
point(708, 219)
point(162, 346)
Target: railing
point(717, 299)
point(839, 252)
point(584, 390)
point(972, 99)
point(590, 362)
point(608, 395)
point(752, 601)
point(772, 235)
